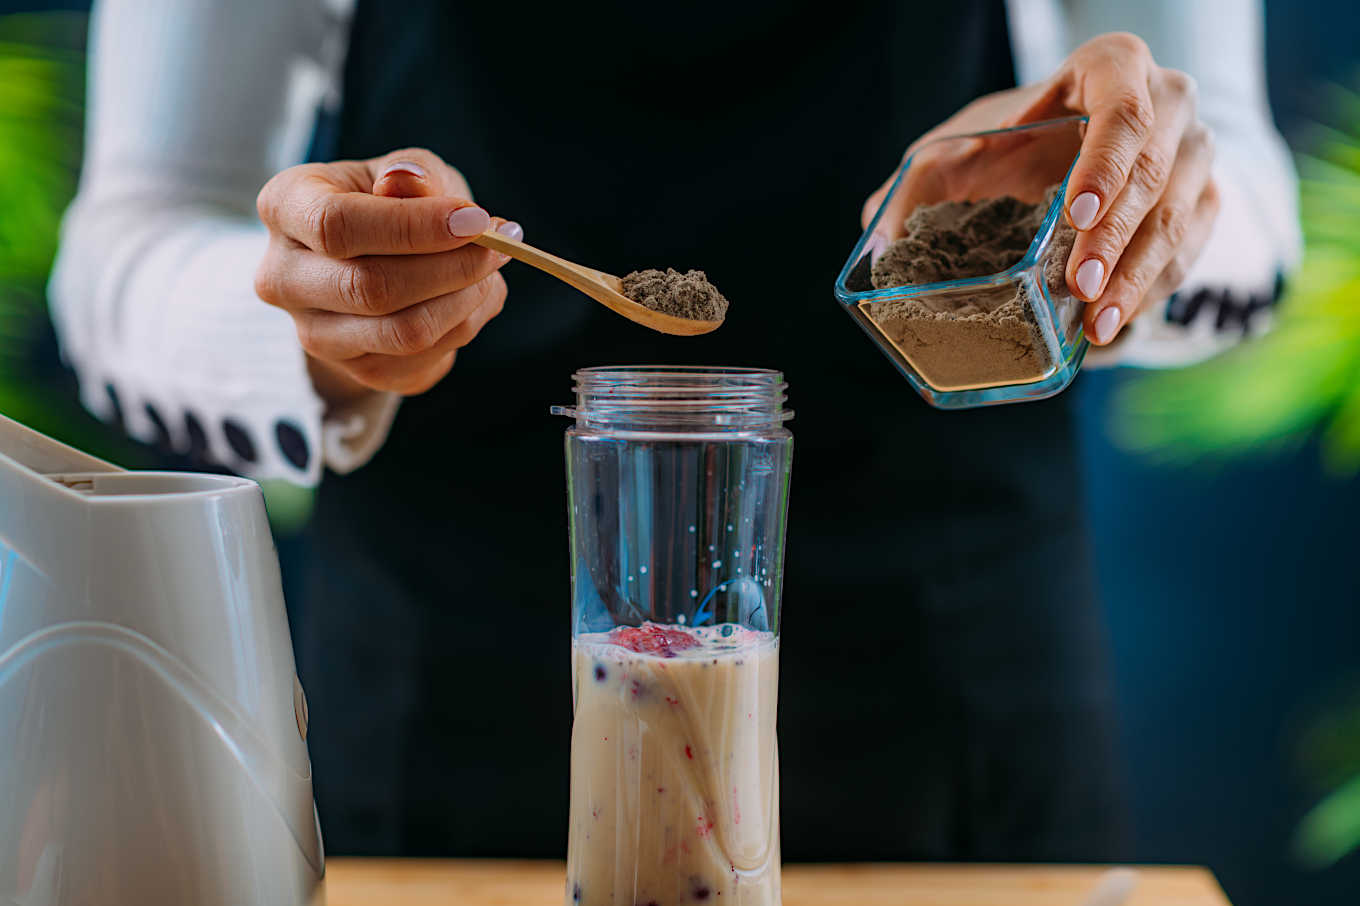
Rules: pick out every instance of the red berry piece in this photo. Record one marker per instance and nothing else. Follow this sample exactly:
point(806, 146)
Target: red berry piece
point(650, 638)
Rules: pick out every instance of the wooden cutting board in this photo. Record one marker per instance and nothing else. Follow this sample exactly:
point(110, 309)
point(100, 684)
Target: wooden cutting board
point(421, 882)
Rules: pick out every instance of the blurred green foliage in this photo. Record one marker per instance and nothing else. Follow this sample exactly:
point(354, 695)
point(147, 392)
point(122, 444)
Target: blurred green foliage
point(1298, 383)
point(1302, 380)
point(42, 101)
point(1328, 755)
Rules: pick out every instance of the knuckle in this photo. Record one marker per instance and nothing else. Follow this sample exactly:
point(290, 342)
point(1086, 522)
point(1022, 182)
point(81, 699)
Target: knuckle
point(1211, 198)
point(1133, 112)
point(1180, 84)
point(466, 261)
point(309, 337)
point(1175, 272)
point(499, 290)
point(266, 203)
point(461, 335)
point(411, 331)
point(371, 370)
point(1152, 168)
point(1126, 42)
point(1114, 232)
point(268, 280)
point(325, 221)
point(1200, 136)
point(364, 286)
point(1172, 223)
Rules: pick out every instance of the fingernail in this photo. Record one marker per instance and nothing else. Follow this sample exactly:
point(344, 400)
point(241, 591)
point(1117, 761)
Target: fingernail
point(876, 245)
point(403, 166)
point(1107, 322)
point(1089, 275)
point(511, 229)
point(469, 221)
point(1083, 210)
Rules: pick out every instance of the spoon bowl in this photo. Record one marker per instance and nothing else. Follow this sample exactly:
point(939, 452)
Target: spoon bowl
point(606, 289)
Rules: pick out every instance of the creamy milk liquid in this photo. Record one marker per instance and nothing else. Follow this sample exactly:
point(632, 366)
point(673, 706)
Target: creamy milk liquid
point(674, 769)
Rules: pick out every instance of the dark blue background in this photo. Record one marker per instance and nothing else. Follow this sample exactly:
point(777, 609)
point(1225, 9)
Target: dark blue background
point(1233, 595)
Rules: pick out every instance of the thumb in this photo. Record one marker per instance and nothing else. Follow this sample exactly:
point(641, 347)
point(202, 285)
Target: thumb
point(415, 173)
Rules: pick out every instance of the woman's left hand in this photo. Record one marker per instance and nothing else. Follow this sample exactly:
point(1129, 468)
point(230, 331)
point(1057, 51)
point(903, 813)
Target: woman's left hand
point(1140, 195)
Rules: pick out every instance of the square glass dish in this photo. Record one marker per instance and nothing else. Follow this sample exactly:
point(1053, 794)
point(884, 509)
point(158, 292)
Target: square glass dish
point(1005, 328)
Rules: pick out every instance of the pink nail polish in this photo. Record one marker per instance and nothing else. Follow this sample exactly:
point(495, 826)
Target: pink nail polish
point(1089, 275)
point(511, 229)
point(403, 166)
point(469, 221)
point(876, 246)
point(1083, 210)
point(1107, 322)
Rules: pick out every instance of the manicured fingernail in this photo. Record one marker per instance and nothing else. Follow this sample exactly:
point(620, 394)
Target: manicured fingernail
point(876, 245)
point(1089, 275)
point(1083, 210)
point(403, 166)
point(469, 221)
point(511, 229)
point(1107, 322)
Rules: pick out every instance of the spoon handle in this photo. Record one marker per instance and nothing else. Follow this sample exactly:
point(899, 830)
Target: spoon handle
point(603, 288)
point(583, 278)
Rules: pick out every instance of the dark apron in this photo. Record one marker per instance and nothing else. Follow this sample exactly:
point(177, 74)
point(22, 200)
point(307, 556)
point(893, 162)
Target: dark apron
point(943, 691)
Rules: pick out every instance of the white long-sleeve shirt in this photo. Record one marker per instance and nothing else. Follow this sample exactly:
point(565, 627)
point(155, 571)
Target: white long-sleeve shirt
point(195, 104)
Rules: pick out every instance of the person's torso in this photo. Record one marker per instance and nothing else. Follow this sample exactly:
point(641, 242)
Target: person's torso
point(741, 139)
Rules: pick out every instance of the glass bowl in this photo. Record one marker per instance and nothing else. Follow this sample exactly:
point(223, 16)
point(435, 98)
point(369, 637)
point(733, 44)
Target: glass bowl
point(1000, 334)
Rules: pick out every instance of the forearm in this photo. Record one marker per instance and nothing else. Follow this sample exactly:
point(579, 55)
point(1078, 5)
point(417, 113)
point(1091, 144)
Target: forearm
point(152, 293)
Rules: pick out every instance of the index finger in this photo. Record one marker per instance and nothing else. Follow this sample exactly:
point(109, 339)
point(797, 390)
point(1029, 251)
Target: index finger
point(345, 224)
point(1116, 97)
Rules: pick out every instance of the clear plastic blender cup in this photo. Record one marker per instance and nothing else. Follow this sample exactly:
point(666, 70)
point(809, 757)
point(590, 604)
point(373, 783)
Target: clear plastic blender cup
point(678, 486)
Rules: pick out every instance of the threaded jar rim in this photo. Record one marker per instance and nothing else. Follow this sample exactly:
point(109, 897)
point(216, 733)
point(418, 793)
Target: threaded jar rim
point(683, 398)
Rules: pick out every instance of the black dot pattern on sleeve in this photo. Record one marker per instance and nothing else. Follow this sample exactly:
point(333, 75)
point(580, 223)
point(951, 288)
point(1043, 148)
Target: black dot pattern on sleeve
point(115, 405)
point(1230, 310)
point(161, 432)
point(292, 443)
point(238, 438)
point(198, 437)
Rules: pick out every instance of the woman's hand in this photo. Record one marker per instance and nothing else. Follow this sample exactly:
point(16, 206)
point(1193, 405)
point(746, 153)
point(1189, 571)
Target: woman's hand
point(1140, 195)
point(372, 260)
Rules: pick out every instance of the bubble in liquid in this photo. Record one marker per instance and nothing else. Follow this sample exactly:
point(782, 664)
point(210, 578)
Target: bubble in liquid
point(643, 570)
point(729, 527)
point(711, 547)
point(736, 555)
point(694, 592)
point(691, 530)
point(680, 618)
point(717, 564)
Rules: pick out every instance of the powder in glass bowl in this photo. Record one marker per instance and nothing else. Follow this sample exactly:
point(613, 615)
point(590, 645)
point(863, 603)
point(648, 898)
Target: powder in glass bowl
point(973, 337)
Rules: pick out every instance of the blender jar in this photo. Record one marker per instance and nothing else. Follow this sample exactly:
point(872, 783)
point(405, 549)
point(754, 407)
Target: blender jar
point(1000, 337)
point(678, 489)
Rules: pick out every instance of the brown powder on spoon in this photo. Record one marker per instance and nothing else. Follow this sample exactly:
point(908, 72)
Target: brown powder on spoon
point(670, 292)
point(972, 337)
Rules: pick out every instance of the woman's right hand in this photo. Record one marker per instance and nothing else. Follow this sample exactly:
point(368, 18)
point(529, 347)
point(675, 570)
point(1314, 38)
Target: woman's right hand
point(373, 261)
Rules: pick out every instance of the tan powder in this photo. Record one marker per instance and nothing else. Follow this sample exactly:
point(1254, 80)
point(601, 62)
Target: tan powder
point(969, 338)
point(670, 292)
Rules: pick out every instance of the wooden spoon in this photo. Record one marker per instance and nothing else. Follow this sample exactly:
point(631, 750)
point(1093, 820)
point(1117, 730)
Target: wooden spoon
point(603, 288)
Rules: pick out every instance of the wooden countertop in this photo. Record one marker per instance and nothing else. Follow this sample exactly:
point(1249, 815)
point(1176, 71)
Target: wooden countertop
point(421, 882)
